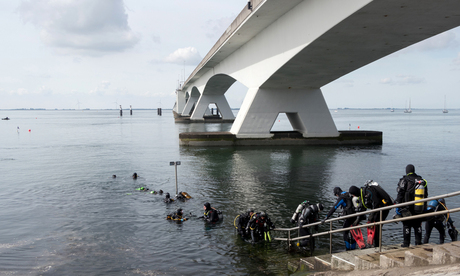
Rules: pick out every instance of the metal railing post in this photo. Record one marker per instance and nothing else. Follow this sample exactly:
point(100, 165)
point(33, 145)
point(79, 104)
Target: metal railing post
point(330, 238)
point(380, 232)
point(289, 240)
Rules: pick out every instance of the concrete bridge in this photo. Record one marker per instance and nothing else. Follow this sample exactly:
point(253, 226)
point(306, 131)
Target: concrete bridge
point(285, 51)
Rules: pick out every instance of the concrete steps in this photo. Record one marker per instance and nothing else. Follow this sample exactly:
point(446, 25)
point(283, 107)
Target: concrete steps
point(391, 256)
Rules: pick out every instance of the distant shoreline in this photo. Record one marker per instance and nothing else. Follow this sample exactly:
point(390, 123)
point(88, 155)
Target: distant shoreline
point(88, 109)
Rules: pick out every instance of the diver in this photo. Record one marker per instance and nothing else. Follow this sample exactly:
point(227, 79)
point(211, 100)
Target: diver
point(134, 175)
point(438, 221)
point(143, 189)
point(182, 196)
point(177, 216)
point(306, 214)
point(168, 198)
point(411, 187)
point(241, 221)
point(372, 196)
point(211, 214)
point(259, 226)
point(344, 200)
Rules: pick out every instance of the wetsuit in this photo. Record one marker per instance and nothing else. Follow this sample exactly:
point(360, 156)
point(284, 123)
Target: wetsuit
point(168, 198)
point(344, 201)
point(211, 215)
point(242, 222)
point(308, 215)
point(406, 187)
point(259, 226)
point(437, 222)
point(177, 216)
point(373, 196)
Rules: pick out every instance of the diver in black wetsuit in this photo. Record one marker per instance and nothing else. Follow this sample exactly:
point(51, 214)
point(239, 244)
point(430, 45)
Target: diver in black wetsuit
point(373, 196)
point(344, 200)
point(306, 214)
point(260, 225)
point(241, 222)
point(439, 222)
point(168, 198)
point(411, 187)
point(177, 216)
point(210, 214)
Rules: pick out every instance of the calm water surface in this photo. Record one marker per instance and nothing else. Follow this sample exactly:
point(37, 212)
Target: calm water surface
point(63, 214)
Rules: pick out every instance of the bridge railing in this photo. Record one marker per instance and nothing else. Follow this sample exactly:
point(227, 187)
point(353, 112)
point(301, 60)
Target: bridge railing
point(381, 222)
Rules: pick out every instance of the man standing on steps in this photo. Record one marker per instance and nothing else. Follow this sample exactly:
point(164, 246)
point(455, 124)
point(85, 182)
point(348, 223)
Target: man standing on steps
point(411, 187)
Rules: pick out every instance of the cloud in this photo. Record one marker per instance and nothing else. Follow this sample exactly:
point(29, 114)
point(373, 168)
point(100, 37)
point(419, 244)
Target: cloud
point(402, 80)
point(105, 84)
point(101, 89)
point(441, 41)
point(19, 92)
point(42, 90)
point(346, 82)
point(456, 61)
point(156, 39)
point(187, 56)
point(84, 27)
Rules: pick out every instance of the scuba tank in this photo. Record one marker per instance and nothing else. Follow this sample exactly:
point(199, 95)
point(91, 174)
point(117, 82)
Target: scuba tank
point(419, 194)
point(296, 214)
point(432, 205)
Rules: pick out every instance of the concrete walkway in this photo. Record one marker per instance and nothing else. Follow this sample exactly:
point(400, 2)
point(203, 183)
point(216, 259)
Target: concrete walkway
point(427, 259)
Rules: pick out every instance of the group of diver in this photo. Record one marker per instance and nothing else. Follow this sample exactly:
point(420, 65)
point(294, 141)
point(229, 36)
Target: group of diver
point(255, 226)
point(410, 187)
point(210, 215)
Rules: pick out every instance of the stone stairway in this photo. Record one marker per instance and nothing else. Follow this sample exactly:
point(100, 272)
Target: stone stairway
point(390, 257)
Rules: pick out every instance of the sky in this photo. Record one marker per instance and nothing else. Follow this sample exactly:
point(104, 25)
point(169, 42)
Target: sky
point(76, 54)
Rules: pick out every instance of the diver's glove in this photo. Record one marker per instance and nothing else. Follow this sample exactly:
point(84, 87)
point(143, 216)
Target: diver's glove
point(323, 220)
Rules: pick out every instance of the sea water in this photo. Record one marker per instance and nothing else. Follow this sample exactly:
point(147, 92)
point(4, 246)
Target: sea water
point(62, 213)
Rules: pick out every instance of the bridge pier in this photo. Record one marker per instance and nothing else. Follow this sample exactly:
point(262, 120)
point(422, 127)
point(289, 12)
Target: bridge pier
point(306, 110)
point(202, 107)
point(192, 100)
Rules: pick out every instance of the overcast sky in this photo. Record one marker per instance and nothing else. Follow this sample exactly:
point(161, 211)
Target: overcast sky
point(100, 53)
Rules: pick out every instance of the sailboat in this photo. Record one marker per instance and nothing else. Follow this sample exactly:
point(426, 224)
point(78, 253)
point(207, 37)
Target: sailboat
point(445, 110)
point(408, 110)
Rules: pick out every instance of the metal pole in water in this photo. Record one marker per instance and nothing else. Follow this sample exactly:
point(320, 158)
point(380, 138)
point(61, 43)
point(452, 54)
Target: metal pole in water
point(175, 164)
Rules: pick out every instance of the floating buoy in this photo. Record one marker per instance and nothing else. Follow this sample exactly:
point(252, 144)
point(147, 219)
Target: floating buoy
point(358, 127)
point(29, 130)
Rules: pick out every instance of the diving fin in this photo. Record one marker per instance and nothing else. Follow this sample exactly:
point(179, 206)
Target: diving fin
point(370, 235)
point(358, 236)
point(453, 234)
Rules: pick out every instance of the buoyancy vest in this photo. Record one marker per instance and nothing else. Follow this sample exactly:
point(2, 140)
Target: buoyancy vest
point(373, 196)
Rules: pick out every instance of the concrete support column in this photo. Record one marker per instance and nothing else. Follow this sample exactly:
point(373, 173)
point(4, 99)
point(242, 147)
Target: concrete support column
point(180, 101)
point(189, 105)
point(202, 106)
point(306, 110)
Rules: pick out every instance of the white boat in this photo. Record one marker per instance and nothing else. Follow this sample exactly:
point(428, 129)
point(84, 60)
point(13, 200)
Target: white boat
point(445, 110)
point(408, 110)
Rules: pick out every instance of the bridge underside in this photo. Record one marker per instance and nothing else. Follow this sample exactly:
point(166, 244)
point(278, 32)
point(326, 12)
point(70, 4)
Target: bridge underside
point(286, 57)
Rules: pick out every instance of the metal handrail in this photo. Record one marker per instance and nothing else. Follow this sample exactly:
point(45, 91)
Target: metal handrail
point(330, 232)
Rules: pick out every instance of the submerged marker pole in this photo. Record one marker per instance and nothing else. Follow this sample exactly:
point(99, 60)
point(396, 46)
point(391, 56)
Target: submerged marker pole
point(175, 164)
